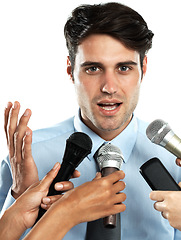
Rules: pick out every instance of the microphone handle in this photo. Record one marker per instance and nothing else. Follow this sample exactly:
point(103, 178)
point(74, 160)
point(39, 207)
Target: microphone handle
point(64, 174)
point(110, 221)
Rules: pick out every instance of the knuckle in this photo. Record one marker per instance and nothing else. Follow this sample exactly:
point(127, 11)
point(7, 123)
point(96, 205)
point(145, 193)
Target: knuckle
point(16, 136)
point(10, 129)
point(123, 195)
point(122, 185)
point(105, 183)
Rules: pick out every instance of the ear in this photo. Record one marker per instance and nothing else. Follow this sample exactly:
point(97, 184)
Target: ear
point(144, 65)
point(69, 69)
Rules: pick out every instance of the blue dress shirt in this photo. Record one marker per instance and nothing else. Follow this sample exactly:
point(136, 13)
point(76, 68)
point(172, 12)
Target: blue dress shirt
point(140, 221)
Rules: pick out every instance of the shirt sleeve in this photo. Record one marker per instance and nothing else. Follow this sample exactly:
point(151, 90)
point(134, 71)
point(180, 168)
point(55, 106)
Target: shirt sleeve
point(177, 235)
point(6, 198)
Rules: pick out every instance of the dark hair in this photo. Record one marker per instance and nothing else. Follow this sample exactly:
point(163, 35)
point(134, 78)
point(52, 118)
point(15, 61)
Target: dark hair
point(114, 19)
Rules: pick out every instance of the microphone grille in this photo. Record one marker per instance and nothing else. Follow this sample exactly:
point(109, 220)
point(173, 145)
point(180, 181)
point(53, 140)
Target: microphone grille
point(81, 140)
point(109, 153)
point(157, 130)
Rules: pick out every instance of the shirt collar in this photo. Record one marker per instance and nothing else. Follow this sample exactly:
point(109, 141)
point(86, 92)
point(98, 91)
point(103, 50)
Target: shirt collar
point(125, 140)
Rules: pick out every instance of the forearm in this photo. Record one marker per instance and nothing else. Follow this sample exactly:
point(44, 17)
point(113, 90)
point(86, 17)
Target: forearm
point(11, 227)
point(55, 223)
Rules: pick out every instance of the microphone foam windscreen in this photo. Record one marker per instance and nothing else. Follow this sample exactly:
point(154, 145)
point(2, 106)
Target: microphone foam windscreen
point(157, 130)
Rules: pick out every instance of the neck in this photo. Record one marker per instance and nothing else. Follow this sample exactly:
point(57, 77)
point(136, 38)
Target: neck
point(107, 134)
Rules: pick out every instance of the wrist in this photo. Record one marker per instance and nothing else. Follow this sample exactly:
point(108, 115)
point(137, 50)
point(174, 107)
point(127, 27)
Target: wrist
point(11, 224)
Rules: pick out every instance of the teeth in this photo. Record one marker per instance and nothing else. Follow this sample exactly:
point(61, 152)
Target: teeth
point(109, 106)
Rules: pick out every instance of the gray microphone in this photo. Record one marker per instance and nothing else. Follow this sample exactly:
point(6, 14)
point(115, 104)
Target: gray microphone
point(159, 132)
point(109, 159)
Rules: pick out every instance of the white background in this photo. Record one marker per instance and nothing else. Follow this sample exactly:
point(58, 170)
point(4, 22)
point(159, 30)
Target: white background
point(33, 61)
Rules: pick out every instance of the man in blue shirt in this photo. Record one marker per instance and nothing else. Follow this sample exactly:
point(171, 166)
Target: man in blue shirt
point(107, 61)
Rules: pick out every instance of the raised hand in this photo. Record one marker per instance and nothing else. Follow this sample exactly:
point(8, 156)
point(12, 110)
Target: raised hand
point(19, 140)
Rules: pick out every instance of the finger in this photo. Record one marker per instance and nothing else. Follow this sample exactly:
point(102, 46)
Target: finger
point(64, 186)
point(160, 206)
point(6, 118)
point(47, 180)
point(178, 162)
point(118, 186)
point(158, 195)
point(27, 141)
point(179, 184)
point(13, 120)
point(76, 174)
point(118, 208)
point(116, 176)
point(21, 131)
point(165, 215)
point(119, 198)
point(45, 206)
point(50, 199)
point(98, 176)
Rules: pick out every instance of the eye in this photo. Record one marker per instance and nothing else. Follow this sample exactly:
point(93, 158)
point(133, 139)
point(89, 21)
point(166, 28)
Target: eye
point(92, 70)
point(124, 68)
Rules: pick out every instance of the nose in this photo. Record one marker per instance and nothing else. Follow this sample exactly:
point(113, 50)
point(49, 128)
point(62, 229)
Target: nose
point(109, 83)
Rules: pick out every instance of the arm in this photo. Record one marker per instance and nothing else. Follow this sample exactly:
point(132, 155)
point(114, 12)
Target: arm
point(88, 202)
point(23, 213)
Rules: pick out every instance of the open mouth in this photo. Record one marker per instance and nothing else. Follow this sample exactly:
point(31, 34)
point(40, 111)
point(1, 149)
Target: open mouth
point(109, 106)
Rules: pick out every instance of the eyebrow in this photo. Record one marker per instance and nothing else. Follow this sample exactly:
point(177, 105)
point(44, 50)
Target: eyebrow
point(89, 63)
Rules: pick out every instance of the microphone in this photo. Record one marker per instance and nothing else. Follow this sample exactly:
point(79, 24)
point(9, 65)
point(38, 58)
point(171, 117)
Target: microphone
point(78, 146)
point(157, 176)
point(159, 132)
point(109, 159)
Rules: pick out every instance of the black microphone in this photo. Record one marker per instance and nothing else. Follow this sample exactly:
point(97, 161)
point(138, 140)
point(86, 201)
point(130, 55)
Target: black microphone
point(157, 176)
point(159, 132)
point(78, 146)
point(110, 160)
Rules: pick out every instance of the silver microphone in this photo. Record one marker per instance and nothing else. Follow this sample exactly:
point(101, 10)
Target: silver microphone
point(109, 159)
point(159, 132)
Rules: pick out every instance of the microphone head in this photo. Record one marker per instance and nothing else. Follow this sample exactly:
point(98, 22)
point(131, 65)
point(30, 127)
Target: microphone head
point(109, 156)
point(78, 146)
point(157, 130)
point(81, 140)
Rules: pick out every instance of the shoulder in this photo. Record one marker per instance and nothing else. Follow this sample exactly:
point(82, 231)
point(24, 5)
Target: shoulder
point(59, 130)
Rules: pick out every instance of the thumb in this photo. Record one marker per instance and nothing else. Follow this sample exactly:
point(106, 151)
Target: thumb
point(47, 180)
point(98, 176)
point(178, 162)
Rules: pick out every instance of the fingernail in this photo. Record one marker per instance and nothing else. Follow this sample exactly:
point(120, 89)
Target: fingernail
point(46, 200)
point(58, 186)
point(28, 132)
point(56, 166)
point(15, 105)
point(26, 113)
point(8, 105)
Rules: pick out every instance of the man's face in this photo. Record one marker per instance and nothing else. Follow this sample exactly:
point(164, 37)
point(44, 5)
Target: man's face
point(107, 78)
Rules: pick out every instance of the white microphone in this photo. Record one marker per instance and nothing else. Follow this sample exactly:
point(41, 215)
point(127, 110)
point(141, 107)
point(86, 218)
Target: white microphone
point(159, 132)
point(109, 159)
